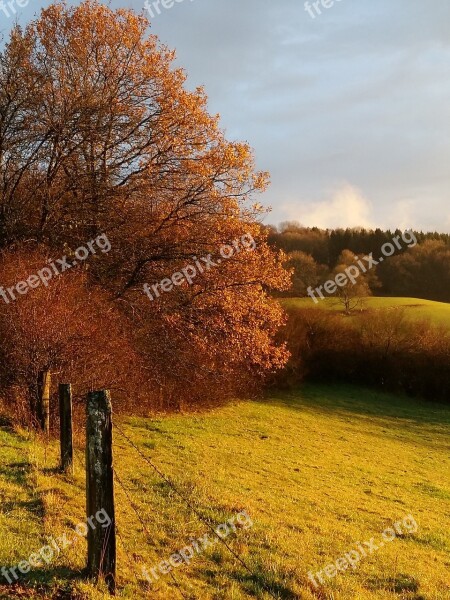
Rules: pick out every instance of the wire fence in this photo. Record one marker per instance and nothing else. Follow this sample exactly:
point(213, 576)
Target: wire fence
point(87, 457)
point(187, 503)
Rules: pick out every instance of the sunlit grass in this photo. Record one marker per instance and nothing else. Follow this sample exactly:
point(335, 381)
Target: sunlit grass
point(318, 471)
point(437, 312)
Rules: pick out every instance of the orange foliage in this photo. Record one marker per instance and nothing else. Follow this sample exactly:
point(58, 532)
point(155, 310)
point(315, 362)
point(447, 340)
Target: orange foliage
point(68, 327)
point(109, 140)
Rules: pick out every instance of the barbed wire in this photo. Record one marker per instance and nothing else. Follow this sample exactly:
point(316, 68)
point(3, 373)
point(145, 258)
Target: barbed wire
point(126, 550)
point(188, 503)
point(134, 506)
point(138, 515)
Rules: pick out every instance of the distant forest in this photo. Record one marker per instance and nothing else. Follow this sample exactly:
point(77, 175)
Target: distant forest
point(420, 271)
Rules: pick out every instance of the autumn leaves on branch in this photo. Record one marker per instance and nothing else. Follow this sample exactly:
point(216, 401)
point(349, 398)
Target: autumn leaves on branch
point(99, 136)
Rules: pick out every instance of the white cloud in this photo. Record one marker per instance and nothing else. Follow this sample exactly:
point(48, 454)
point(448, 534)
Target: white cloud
point(347, 207)
point(403, 215)
point(348, 96)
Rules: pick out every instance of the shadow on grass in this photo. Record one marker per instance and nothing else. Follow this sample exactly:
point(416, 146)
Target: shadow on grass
point(6, 422)
point(40, 581)
point(259, 582)
point(16, 472)
point(341, 399)
point(53, 470)
point(34, 506)
point(404, 585)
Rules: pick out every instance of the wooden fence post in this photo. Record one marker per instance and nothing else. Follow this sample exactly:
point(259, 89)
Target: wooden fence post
point(44, 383)
point(100, 488)
point(65, 427)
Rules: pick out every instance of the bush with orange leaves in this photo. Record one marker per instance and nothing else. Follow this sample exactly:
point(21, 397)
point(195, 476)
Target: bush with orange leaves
point(68, 327)
point(380, 348)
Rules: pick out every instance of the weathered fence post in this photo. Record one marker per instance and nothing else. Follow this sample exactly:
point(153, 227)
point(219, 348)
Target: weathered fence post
point(44, 383)
point(100, 488)
point(65, 427)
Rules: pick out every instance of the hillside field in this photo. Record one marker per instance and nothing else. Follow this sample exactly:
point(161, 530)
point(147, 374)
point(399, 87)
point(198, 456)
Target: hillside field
point(437, 312)
point(317, 472)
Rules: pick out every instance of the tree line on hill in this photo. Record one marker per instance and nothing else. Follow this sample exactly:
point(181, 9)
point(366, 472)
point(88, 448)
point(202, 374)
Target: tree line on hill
point(419, 271)
point(380, 348)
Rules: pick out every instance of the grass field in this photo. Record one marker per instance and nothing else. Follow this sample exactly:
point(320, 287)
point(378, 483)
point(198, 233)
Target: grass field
point(437, 312)
point(317, 472)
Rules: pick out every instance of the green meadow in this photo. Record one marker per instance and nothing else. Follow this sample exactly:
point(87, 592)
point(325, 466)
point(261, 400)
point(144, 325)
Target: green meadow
point(437, 312)
point(318, 471)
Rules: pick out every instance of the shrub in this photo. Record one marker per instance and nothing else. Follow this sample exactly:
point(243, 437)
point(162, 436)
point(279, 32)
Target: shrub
point(378, 348)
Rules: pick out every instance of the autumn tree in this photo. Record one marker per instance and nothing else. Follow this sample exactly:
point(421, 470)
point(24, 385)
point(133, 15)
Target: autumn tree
point(109, 139)
point(306, 273)
point(356, 288)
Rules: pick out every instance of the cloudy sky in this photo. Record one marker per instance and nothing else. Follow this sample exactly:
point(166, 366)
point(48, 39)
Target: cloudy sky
point(349, 110)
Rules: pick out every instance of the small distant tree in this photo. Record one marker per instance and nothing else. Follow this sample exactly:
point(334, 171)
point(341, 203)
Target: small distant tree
point(353, 294)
